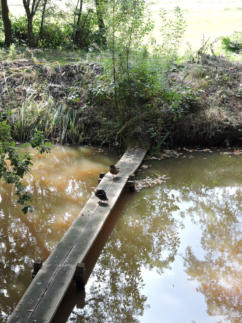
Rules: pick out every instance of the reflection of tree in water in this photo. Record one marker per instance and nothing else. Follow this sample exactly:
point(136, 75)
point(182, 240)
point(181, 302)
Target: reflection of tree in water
point(24, 238)
point(145, 237)
point(20, 243)
point(219, 273)
point(60, 187)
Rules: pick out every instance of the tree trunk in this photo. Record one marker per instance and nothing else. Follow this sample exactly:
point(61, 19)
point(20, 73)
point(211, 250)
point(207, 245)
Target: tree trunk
point(79, 13)
point(31, 40)
point(31, 9)
point(77, 34)
point(6, 23)
point(42, 20)
point(100, 20)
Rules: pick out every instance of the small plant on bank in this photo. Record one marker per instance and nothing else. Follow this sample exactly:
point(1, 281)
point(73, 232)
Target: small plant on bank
point(12, 54)
point(139, 91)
point(233, 43)
point(13, 166)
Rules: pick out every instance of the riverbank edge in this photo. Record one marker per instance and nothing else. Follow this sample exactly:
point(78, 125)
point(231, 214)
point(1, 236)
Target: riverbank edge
point(54, 99)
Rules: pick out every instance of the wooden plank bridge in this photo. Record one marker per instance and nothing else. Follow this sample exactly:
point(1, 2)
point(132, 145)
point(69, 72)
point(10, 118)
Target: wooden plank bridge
point(45, 293)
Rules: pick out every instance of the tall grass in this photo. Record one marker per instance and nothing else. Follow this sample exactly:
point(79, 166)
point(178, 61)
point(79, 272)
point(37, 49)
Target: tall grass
point(58, 122)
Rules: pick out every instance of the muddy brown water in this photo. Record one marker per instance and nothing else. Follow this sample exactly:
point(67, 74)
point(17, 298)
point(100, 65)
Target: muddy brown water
point(170, 253)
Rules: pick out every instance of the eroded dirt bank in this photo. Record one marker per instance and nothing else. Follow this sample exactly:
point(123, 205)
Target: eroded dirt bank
point(55, 99)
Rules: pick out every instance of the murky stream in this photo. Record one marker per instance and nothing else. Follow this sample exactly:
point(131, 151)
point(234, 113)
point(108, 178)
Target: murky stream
point(174, 252)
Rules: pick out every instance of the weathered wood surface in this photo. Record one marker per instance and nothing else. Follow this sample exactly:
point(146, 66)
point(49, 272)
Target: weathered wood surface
point(42, 298)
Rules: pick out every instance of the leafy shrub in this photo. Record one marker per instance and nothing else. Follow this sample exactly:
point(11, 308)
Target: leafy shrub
point(133, 96)
point(85, 32)
point(20, 29)
point(146, 103)
point(13, 165)
point(233, 43)
point(59, 34)
point(55, 36)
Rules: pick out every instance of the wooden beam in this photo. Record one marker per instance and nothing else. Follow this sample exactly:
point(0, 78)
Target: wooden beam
point(42, 298)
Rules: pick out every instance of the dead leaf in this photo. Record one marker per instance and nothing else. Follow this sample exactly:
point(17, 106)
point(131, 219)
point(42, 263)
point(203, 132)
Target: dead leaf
point(237, 152)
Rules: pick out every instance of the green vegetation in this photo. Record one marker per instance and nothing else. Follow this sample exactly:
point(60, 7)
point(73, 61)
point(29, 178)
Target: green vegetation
point(13, 165)
point(94, 75)
point(233, 43)
point(44, 25)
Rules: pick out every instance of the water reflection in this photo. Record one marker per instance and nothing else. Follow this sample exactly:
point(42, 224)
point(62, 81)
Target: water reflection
point(61, 182)
point(173, 255)
point(148, 239)
point(219, 272)
point(173, 245)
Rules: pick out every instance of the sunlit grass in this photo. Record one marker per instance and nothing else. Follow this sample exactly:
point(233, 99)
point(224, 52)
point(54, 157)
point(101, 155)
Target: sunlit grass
point(206, 23)
point(205, 20)
point(211, 24)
